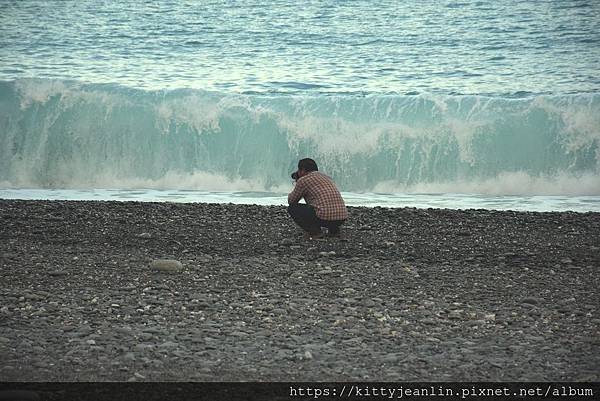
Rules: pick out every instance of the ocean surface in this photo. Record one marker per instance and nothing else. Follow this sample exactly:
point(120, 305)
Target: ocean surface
point(479, 104)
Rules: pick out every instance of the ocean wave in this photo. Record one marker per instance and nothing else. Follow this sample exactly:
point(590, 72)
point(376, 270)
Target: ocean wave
point(65, 134)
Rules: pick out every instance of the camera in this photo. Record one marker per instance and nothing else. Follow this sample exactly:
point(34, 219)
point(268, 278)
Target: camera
point(295, 176)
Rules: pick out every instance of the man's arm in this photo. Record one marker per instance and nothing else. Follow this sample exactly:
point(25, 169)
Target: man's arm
point(297, 193)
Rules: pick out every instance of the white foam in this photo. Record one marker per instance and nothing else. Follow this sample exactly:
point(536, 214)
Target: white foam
point(579, 118)
point(38, 91)
point(508, 183)
point(198, 112)
point(198, 180)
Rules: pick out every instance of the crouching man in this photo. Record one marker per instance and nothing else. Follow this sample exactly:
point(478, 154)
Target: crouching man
point(324, 204)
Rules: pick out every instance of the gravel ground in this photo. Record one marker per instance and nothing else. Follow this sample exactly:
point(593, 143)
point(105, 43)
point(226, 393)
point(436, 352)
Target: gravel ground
point(408, 294)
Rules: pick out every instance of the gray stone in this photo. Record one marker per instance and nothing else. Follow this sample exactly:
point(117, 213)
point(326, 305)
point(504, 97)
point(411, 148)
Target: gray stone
point(146, 336)
point(40, 364)
point(168, 344)
point(124, 330)
point(476, 323)
point(390, 358)
point(143, 347)
point(531, 300)
point(166, 265)
point(490, 316)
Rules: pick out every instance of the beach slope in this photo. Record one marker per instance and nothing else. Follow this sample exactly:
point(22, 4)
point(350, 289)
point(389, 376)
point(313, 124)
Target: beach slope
point(408, 294)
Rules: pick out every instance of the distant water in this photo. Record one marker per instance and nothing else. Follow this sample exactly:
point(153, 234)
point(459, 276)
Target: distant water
point(445, 104)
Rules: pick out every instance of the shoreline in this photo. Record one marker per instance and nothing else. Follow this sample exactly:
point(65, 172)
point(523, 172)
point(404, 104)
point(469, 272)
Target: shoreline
point(454, 201)
point(413, 294)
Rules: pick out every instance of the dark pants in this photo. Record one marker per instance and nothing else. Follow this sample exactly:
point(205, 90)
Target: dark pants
point(305, 216)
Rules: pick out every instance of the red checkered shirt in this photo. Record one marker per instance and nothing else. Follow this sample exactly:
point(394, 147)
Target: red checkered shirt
point(319, 191)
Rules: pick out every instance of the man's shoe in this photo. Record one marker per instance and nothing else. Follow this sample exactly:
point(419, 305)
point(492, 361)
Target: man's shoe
point(316, 235)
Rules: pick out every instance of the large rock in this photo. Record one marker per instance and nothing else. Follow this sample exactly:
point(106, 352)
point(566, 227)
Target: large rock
point(166, 265)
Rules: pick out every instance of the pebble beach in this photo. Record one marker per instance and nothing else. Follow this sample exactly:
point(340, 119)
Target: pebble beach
point(133, 291)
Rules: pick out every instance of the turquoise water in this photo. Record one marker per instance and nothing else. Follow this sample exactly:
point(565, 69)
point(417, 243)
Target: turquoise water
point(403, 103)
point(485, 47)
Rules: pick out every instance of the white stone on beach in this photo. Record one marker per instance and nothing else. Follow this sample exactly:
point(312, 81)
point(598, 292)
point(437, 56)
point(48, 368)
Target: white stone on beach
point(166, 265)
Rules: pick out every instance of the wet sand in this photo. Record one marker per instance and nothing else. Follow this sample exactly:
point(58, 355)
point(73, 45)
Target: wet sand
point(410, 294)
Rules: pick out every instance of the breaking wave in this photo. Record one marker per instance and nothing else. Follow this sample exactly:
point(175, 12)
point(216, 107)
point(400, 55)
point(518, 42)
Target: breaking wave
point(65, 134)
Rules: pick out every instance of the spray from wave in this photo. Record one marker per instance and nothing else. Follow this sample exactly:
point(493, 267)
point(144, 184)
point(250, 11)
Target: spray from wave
point(59, 134)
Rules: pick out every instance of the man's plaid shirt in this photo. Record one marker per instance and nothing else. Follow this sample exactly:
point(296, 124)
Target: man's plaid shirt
point(319, 191)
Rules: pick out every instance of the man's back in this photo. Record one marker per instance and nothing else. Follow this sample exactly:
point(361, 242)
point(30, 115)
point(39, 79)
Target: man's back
point(320, 191)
